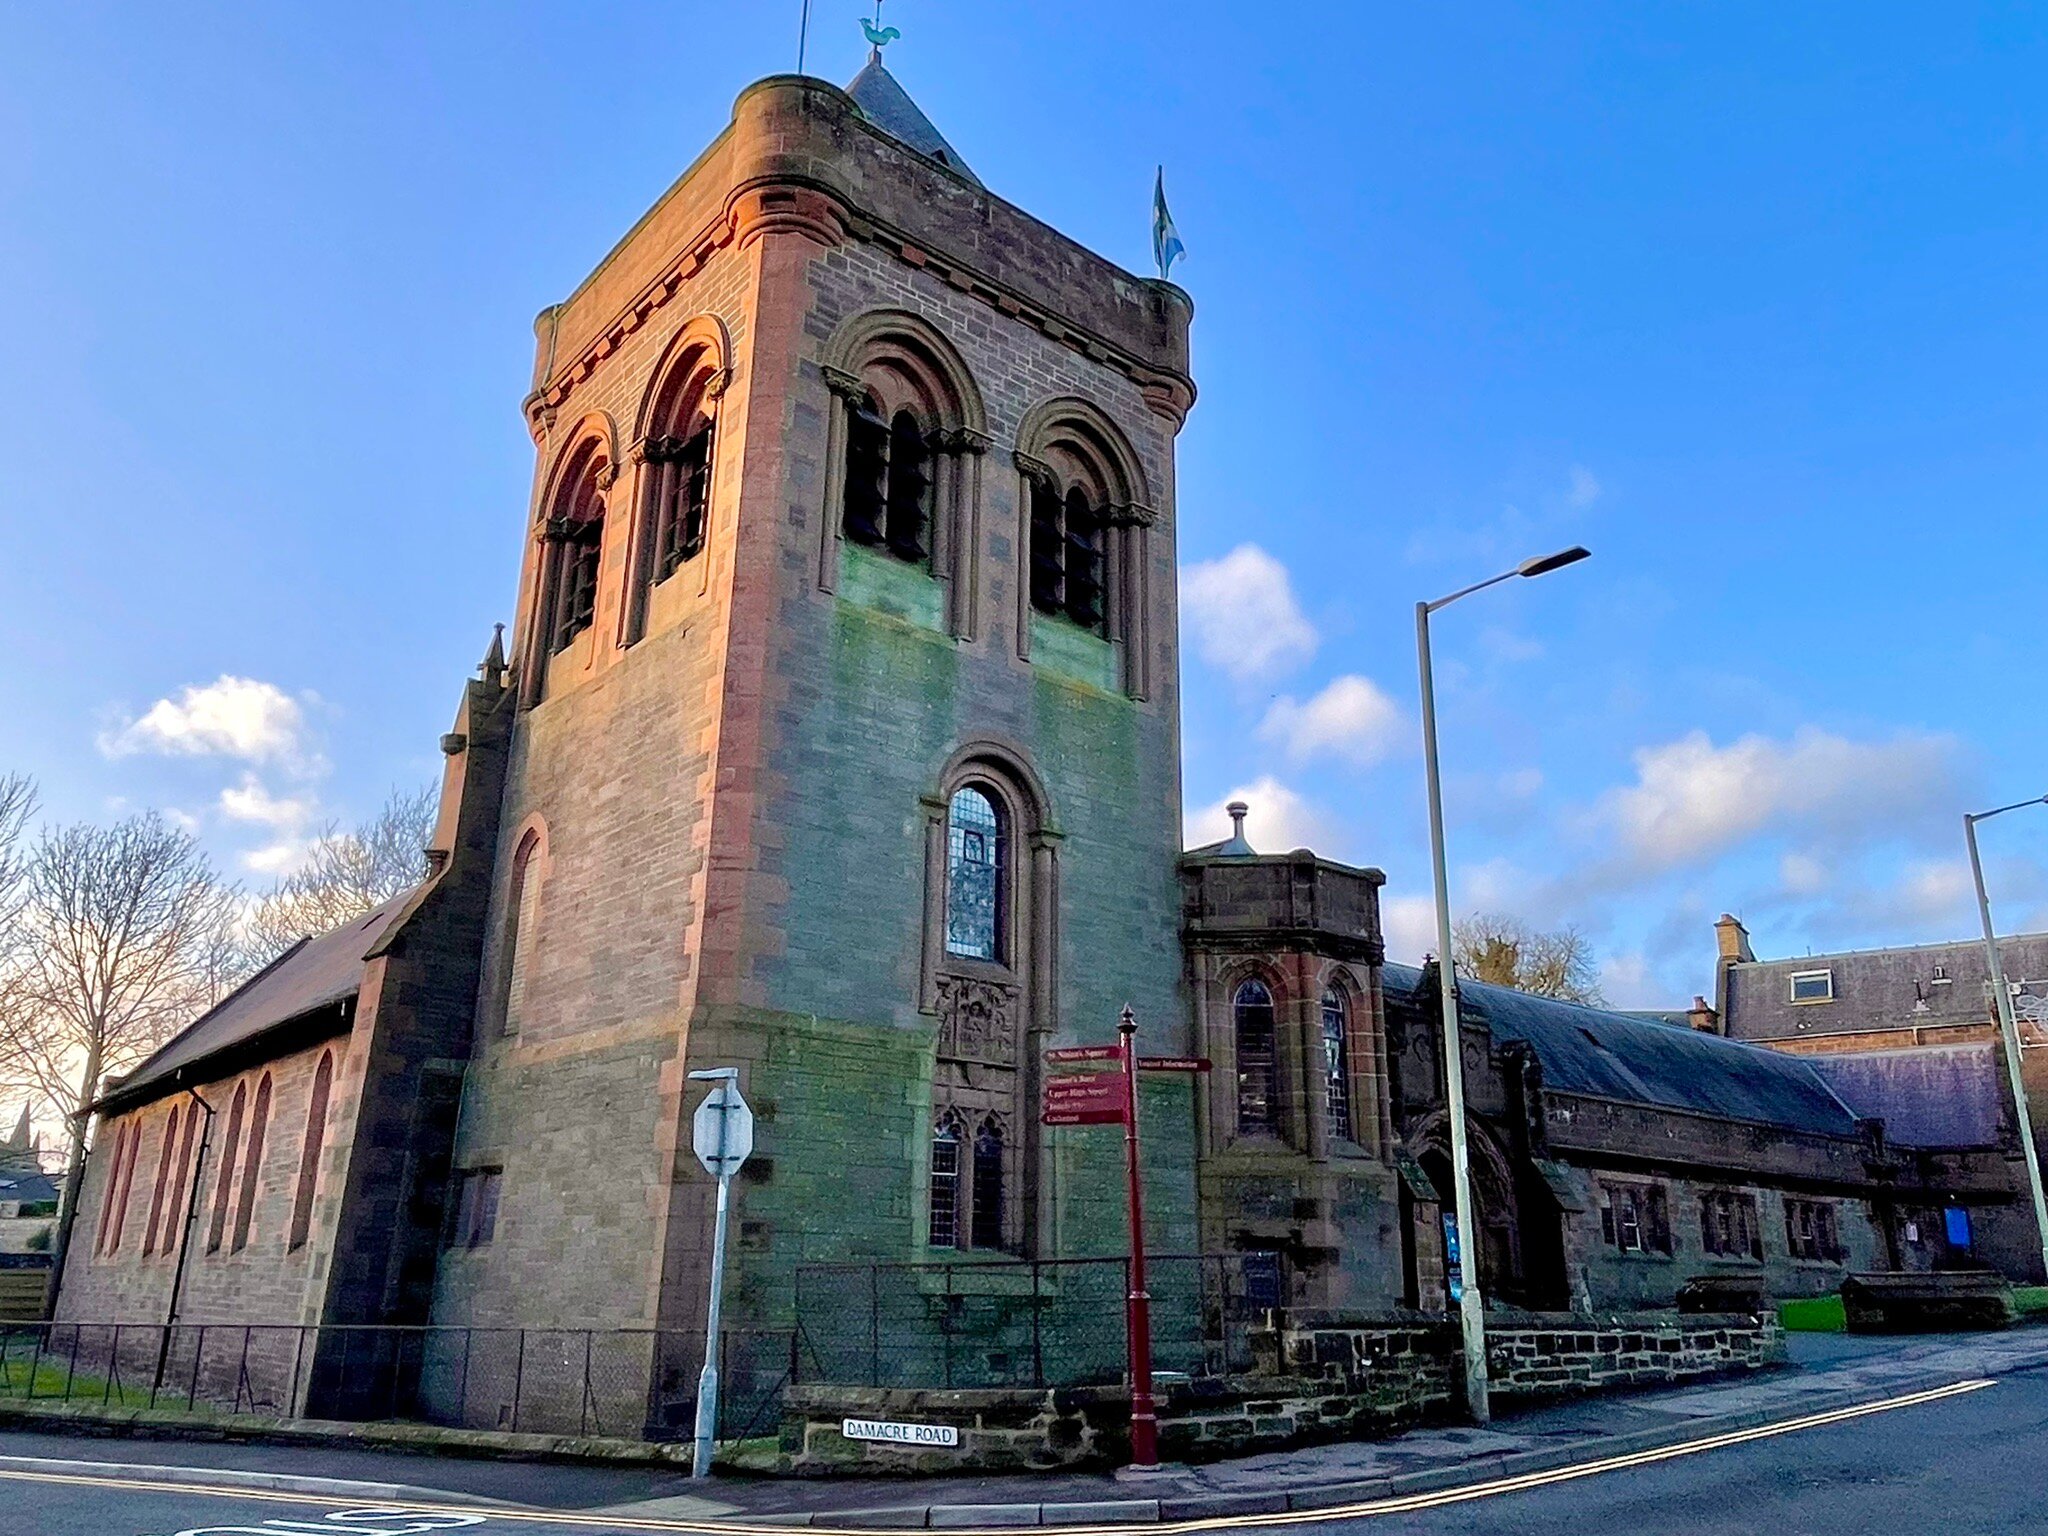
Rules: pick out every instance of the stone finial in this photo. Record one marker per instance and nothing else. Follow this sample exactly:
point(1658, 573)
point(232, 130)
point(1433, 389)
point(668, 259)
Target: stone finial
point(492, 668)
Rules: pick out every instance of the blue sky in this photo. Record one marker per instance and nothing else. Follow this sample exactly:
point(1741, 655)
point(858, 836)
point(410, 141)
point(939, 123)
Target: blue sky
point(1746, 298)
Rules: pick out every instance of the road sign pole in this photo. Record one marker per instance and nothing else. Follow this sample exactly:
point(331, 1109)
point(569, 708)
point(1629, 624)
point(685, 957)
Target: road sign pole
point(707, 1379)
point(1138, 1318)
point(722, 1135)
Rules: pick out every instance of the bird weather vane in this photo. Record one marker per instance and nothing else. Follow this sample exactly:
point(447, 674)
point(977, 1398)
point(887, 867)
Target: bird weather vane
point(879, 35)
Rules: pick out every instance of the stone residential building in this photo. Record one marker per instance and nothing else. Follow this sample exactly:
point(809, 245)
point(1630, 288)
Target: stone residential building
point(838, 741)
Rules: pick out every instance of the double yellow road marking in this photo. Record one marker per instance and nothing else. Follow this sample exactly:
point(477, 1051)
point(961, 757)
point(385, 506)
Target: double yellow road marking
point(1367, 1509)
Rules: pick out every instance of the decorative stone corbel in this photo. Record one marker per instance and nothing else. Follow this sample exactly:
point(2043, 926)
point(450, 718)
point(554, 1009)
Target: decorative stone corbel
point(716, 386)
point(1133, 514)
point(1037, 471)
point(847, 386)
point(607, 477)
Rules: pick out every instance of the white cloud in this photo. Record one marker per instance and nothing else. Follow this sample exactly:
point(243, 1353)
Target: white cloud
point(1409, 923)
point(1628, 981)
point(1243, 616)
point(286, 818)
point(1279, 820)
point(1801, 874)
point(237, 717)
point(1693, 800)
point(1585, 490)
point(1352, 719)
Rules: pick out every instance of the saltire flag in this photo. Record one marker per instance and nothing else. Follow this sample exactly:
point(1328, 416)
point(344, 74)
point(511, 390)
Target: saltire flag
point(1166, 243)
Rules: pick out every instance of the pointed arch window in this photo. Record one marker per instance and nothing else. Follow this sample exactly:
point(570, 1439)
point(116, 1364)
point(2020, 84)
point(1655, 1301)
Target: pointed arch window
point(174, 1214)
point(309, 1150)
point(1336, 1068)
point(252, 1164)
point(987, 1192)
point(943, 1228)
point(113, 1203)
point(1257, 1077)
point(164, 1159)
point(522, 925)
point(223, 1185)
point(976, 856)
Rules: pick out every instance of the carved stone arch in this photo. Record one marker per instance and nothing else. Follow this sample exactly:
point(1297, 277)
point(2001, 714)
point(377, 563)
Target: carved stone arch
point(576, 493)
point(899, 341)
point(1084, 427)
point(1494, 1191)
point(596, 433)
point(995, 1015)
point(896, 366)
point(1068, 447)
point(674, 462)
point(700, 336)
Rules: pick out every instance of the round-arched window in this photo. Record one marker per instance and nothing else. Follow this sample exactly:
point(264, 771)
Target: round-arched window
point(975, 861)
point(1336, 1068)
point(1257, 1078)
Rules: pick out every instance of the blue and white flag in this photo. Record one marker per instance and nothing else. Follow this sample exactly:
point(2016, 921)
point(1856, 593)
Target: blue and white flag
point(1165, 238)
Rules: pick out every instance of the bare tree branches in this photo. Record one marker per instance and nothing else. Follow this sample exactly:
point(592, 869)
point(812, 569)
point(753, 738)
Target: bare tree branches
point(1509, 953)
point(348, 874)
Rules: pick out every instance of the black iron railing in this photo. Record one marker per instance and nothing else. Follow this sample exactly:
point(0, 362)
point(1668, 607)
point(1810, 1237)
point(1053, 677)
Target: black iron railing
point(1027, 1322)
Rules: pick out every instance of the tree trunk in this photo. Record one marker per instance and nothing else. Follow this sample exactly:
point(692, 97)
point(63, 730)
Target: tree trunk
point(74, 1178)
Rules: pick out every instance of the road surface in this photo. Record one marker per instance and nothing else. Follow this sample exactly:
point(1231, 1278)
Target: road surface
point(1959, 1465)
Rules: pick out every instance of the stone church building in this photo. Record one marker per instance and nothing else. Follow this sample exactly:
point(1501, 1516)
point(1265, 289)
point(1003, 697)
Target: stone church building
point(838, 741)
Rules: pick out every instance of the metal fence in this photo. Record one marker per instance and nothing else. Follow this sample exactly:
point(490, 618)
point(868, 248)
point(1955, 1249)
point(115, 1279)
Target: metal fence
point(617, 1382)
point(1006, 1323)
point(1026, 1323)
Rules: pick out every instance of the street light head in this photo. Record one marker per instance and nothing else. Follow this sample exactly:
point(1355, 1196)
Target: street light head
point(1543, 565)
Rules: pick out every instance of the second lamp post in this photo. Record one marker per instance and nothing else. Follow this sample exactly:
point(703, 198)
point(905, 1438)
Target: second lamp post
point(1471, 1306)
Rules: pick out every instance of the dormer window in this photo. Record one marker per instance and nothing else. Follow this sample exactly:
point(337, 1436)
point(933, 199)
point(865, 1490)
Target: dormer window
point(1813, 987)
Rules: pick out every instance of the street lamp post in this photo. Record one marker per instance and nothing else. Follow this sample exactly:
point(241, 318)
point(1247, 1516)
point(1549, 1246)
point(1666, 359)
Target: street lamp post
point(2007, 1028)
point(1471, 1305)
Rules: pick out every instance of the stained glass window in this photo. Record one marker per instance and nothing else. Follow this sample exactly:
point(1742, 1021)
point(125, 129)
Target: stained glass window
point(1255, 1072)
point(945, 1220)
point(1336, 1076)
point(974, 876)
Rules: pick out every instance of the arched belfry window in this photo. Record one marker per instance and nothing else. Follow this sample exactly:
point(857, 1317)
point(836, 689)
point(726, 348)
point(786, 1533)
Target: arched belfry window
point(1084, 532)
point(975, 858)
point(574, 538)
point(1067, 554)
point(678, 454)
point(906, 437)
point(1257, 1069)
point(1336, 1019)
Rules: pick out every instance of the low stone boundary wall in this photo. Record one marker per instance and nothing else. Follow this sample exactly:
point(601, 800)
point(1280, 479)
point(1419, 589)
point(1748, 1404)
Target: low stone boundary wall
point(1318, 1381)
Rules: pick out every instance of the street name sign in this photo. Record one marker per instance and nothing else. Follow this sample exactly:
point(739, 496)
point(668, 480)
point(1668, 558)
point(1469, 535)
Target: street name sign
point(1070, 1055)
point(1097, 1099)
point(900, 1434)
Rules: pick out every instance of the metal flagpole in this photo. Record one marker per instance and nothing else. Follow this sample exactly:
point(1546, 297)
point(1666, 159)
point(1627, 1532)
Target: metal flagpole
point(803, 36)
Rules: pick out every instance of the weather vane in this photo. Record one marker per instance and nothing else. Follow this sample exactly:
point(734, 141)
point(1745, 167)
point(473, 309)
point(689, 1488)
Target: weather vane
point(878, 34)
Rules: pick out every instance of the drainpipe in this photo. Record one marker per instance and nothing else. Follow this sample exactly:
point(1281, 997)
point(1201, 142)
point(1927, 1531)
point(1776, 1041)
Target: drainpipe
point(163, 1349)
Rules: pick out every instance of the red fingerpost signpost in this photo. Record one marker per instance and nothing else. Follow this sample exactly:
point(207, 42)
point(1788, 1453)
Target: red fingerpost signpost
point(1100, 1098)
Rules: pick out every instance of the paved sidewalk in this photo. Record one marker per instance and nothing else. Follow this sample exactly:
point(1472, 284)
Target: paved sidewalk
point(1826, 1373)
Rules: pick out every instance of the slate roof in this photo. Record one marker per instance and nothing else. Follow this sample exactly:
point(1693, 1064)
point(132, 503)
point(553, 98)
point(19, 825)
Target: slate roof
point(28, 1185)
point(1612, 1056)
point(1881, 989)
point(888, 106)
point(1929, 1096)
point(313, 974)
